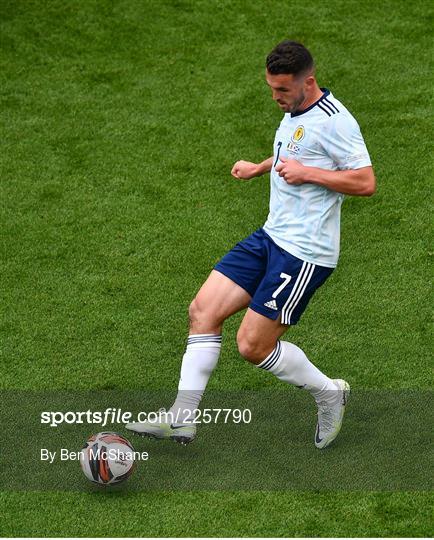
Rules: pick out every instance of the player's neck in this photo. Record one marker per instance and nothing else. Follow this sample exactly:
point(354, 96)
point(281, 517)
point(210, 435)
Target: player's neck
point(316, 94)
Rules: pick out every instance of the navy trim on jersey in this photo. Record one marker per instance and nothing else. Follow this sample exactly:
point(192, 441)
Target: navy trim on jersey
point(327, 106)
point(326, 100)
point(327, 111)
point(323, 103)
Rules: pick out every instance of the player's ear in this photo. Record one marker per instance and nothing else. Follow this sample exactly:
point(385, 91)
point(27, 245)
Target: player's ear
point(309, 81)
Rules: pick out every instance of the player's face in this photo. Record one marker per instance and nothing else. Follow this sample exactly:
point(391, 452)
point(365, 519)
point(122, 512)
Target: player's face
point(287, 91)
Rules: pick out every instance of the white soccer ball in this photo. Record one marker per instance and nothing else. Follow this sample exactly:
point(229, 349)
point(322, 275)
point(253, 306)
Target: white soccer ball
point(107, 458)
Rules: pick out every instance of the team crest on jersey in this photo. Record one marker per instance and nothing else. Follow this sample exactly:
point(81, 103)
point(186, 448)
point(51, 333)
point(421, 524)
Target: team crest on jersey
point(298, 134)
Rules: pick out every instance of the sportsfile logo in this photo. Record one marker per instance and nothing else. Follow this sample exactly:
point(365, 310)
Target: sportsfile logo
point(109, 416)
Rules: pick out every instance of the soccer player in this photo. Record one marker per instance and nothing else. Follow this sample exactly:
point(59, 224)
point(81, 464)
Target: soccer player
point(319, 156)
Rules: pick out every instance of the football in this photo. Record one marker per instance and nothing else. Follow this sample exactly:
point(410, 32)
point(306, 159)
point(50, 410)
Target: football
point(107, 458)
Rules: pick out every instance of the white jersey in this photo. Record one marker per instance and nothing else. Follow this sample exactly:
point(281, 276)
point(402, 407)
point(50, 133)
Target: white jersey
point(305, 219)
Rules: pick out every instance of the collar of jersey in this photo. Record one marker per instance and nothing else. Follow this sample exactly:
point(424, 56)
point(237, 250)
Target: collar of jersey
point(326, 92)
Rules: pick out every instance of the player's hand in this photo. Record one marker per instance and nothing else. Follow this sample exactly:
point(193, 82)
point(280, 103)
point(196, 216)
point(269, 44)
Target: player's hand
point(244, 170)
point(292, 171)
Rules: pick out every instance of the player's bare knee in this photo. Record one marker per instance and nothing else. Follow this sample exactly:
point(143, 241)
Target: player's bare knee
point(196, 315)
point(201, 320)
point(194, 312)
point(249, 348)
point(197, 312)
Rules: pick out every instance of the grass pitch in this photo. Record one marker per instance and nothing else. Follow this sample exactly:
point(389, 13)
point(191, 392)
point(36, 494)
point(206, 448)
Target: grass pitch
point(120, 123)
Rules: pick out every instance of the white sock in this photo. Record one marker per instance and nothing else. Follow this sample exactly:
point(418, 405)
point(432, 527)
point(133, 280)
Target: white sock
point(198, 363)
point(289, 363)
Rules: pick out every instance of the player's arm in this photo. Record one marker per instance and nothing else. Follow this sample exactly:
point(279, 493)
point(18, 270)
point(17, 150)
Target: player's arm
point(349, 182)
point(244, 170)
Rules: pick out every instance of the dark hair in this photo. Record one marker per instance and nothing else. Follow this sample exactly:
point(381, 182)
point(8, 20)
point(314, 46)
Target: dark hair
point(289, 57)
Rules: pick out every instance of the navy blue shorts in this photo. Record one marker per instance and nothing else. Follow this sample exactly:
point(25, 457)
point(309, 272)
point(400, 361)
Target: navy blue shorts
point(279, 283)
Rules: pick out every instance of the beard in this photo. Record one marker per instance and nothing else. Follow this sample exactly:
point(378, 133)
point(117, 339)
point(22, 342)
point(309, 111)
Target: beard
point(294, 105)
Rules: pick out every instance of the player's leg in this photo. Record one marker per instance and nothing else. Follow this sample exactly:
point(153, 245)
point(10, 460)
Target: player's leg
point(278, 302)
point(228, 289)
point(218, 298)
point(258, 342)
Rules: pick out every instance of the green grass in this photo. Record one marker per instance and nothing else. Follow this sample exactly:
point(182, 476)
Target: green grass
point(120, 123)
point(218, 514)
